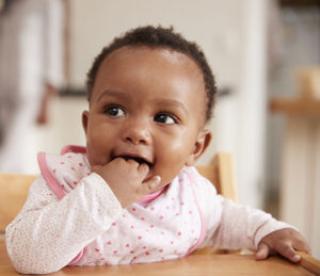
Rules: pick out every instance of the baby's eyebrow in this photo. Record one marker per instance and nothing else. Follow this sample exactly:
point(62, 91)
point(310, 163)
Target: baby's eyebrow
point(112, 93)
point(166, 103)
point(172, 103)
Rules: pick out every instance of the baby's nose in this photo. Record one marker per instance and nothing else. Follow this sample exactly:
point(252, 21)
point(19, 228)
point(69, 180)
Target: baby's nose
point(137, 132)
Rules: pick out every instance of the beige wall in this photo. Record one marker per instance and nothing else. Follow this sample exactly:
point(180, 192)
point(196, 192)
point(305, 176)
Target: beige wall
point(215, 25)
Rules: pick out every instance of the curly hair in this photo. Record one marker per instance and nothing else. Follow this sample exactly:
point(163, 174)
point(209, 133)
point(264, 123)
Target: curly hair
point(159, 37)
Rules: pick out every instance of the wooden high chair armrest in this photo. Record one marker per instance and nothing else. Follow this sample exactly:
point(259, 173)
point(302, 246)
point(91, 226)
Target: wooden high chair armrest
point(310, 263)
point(13, 193)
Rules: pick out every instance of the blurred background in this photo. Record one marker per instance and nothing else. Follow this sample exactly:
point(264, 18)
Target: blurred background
point(265, 55)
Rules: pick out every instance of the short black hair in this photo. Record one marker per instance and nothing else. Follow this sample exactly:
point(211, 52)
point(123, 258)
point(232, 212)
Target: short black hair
point(159, 37)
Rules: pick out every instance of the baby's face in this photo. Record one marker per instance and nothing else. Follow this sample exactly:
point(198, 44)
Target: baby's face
point(148, 105)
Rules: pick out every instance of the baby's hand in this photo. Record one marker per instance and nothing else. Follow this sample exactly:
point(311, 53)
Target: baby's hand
point(285, 242)
point(126, 178)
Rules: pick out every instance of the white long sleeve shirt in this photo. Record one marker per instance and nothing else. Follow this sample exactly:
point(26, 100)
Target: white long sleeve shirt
point(88, 226)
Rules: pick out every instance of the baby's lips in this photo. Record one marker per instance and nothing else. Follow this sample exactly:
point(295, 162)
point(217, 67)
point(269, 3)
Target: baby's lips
point(139, 158)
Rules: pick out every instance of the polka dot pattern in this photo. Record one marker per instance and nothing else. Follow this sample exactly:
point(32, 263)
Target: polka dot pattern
point(164, 228)
point(152, 233)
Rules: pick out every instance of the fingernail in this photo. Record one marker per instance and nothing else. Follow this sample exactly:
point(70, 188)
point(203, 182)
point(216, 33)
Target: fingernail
point(296, 258)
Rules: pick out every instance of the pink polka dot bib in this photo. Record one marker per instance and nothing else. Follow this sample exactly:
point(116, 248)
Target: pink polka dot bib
point(162, 226)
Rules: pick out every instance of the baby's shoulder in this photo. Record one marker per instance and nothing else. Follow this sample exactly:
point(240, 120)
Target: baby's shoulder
point(192, 175)
point(63, 172)
point(66, 160)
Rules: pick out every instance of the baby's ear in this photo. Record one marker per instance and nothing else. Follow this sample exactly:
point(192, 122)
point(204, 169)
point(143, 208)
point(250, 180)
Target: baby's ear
point(85, 118)
point(201, 144)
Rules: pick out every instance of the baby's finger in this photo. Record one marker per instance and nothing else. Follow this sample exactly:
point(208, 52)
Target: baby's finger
point(301, 245)
point(262, 251)
point(287, 251)
point(132, 162)
point(143, 169)
point(152, 184)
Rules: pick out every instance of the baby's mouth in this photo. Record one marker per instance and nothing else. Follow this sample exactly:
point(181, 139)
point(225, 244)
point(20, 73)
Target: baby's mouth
point(138, 159)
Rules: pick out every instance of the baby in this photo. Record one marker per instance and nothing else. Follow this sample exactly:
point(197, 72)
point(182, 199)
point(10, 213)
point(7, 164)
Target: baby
point(132, 195)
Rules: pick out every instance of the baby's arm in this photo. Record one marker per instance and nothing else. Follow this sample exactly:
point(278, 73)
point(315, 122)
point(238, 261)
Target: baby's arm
point(257, 230)
point(235, 226)
point(48, 234)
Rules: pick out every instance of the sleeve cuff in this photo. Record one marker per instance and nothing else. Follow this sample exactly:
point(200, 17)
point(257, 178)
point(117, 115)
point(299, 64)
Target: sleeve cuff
point(269, 227)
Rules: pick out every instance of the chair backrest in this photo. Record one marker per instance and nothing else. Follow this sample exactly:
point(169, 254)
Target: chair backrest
point(14, 187)
point(220, 172)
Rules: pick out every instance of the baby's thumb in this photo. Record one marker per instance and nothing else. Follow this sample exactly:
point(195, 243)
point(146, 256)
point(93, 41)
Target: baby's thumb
point(153, 184)
point(262, 251)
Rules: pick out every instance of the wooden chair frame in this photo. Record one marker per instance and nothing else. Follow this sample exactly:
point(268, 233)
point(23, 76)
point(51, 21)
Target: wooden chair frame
point(221, 173)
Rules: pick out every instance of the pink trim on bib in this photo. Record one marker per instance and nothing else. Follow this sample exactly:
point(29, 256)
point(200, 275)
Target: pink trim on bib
point(55, 186)
point(202, 219)
point(78, 257)
point(145, 200)
point(50, 179)
point(74, 149)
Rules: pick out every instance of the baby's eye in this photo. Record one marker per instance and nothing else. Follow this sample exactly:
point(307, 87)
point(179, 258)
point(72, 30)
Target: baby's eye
point(114, 111)
point(165, 118)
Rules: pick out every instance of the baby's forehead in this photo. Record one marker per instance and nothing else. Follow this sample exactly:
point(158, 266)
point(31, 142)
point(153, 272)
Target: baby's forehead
point(144, 66)
point(151, 61)
point(169, 60)
point(159, 52)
